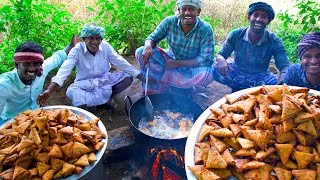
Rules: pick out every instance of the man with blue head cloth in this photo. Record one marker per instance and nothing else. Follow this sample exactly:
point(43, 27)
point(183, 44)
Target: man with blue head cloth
point(253, 48)
point(94, 84)
point(188, 61)
point(307, 72)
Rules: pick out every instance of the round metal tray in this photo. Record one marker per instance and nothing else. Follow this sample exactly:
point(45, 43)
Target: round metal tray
point(89, 116)
point(197, 126)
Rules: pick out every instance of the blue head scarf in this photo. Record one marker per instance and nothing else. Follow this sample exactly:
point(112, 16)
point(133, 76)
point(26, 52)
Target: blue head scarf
point(92, 29)
point(261, 6)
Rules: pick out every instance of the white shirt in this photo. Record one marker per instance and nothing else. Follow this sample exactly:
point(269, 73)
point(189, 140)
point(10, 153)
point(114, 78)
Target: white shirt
point(89, 66)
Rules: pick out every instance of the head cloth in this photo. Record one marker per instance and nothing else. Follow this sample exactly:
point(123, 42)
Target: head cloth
point(261, 6)
point(20, 57)
point(92, 29)
point(307, 42)
point(195, 3)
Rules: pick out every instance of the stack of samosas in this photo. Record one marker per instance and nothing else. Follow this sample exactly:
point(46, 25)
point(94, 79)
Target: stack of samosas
point(48, 144)
point(271, 133)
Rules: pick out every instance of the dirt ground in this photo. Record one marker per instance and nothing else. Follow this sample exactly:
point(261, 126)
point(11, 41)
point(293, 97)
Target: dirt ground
point(204, 98)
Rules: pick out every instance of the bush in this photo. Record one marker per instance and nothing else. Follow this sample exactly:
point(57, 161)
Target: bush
point(294, 26)
point(34, 20)
point(129, 22)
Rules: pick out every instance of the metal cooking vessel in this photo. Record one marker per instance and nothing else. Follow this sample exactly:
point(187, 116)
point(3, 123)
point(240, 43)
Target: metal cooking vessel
point(136, 111)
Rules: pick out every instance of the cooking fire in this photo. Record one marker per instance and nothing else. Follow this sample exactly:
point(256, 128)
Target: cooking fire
point(164, 163)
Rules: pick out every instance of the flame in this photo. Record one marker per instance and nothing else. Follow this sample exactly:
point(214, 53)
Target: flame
point(168, 155)
point(152, 150)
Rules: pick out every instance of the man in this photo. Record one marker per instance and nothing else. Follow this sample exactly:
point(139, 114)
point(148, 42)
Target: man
point(307, 73)
point(253, 49)
point(20, 87)
point(187, 62)
point(94, 84)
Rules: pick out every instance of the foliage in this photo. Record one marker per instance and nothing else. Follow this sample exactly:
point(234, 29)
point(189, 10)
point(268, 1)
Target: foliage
point(215, 23)
point(34, 20)
point(305, 21)
point(129, 22)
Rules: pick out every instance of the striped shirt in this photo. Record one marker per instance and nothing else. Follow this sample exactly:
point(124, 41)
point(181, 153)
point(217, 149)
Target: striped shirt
point(197, 44)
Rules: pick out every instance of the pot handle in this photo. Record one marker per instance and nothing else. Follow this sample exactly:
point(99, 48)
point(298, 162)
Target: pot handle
point(127, 104)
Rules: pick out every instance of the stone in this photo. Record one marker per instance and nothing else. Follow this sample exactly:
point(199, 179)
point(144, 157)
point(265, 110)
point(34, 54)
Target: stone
point(120, 138)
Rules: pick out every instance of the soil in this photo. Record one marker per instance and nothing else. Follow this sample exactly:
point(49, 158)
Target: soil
point(204, 97)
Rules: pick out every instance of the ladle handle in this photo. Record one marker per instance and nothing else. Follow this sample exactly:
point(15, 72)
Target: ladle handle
point(146, 85)
point(127, 104)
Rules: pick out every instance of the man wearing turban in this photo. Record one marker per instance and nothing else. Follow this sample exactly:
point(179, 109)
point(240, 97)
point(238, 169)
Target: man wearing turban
point(94, 84)
point(20, 88)
point(307, 73)
point(253, 48)
point(188, 61)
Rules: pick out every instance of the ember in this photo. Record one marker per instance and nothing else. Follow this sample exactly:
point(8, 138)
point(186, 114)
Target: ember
point(148, 160)
point(168, 164)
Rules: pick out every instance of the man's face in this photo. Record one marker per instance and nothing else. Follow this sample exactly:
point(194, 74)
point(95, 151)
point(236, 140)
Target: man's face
point(188, 15)
point(92, 43)
point(28, 71)
point(310, 61)
point(258, 21)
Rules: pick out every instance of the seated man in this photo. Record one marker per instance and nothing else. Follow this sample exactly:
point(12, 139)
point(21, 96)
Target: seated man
point(94, 83)
point(253, 49)
point(188, 61)
point(20, 87)
point(307, 73)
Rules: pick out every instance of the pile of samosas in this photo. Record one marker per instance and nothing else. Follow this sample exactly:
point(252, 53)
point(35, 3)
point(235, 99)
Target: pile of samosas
point(48, 144)
point(271, 133)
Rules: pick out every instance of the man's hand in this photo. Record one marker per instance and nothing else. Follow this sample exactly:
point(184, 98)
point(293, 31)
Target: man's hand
point(73, 42)
point(172, 64)
point(147, 52)
point(43, 97)
point(281, 77)
point(151, 81)
point(222, 65)
point(223, 68)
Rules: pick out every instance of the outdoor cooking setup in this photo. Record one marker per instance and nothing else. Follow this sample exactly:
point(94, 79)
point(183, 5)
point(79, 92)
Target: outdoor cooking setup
point(157, 156)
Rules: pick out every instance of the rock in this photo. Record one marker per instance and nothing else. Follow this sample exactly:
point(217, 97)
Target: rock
point(120, 137)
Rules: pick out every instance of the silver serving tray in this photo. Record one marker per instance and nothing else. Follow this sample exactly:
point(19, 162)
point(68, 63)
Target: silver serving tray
point(89, 116)
point(197, 126)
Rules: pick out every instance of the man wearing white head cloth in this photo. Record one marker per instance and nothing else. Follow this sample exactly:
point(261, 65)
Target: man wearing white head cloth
point(187, 62)
point(94, 84)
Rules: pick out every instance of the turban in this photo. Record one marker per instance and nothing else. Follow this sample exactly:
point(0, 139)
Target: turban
point(307, 42)
point(20, 57)
point(92, 29)
point(195, 3)
point(262, 7)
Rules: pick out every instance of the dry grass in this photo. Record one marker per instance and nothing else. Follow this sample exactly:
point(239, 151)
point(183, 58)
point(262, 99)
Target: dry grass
point(78, 8)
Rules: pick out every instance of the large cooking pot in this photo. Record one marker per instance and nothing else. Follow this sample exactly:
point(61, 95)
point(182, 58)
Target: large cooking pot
point(178, 103)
